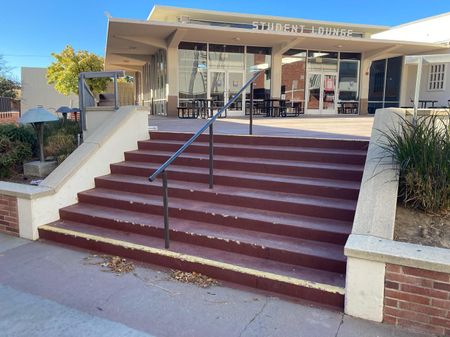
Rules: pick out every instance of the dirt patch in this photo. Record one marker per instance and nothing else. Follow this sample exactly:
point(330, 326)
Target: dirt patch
point(426, 229)
point(198, 279)
point(112, 264)
point(20, 178)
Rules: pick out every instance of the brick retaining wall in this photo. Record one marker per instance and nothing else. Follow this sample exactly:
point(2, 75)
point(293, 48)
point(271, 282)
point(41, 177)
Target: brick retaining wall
point(417, 298)
point(9, 218)
point(9, 117)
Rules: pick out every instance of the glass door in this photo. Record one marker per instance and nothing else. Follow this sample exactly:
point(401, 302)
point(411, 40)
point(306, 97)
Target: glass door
point(321, 93)
point(223, 85)
point(329, 93)
point(314, 93)
point(217, 87)
point(234, 84)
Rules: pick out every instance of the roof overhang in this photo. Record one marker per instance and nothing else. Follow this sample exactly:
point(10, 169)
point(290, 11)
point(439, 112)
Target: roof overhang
point(431, 59)
point(130, 42)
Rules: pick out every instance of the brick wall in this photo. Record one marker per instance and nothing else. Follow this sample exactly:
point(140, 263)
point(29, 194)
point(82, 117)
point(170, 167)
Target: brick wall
point(9, 218)
point(9, 117)
point(417, 298)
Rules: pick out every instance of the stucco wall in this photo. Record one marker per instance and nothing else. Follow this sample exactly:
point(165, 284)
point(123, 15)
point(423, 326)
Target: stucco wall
point(36, 91)
point(442, 96)
point(433, 29)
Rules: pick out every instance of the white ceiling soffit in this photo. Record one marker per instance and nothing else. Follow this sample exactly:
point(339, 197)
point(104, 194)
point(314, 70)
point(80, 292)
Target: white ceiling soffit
point(437, 58)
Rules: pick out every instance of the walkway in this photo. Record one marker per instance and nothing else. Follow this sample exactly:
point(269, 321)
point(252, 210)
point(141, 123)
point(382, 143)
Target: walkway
point(354, 127)
point(50, 290)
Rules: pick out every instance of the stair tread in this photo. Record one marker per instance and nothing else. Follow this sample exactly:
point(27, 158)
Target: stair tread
point(255, 160)
point(325, 250)
point(262, 264)
point(224, 210)
point(240, 191)
point(297, 149)
point(245, 174)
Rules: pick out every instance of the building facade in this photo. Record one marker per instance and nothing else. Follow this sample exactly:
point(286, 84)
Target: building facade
point(325, 68)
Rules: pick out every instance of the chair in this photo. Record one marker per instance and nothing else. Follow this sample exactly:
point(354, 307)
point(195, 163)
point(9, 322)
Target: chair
point(187, 110)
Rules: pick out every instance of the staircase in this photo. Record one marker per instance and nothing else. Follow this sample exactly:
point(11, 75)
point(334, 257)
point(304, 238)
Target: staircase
point(277, 219)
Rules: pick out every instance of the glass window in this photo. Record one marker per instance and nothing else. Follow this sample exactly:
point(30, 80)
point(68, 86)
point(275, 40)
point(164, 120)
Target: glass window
point(348, 80)
point(393, 79)
point(384, 83)
point(322, 61)
point(192, 63)
point(259, 58)
point(293, 75)
point(226, 56)
point(436, 77)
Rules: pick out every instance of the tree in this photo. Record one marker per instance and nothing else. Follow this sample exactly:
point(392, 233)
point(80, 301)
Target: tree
point(8, 86)
point(63, 72)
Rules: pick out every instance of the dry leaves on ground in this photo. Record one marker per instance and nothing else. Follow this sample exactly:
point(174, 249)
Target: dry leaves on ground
point(198, 279)
point(113, 264)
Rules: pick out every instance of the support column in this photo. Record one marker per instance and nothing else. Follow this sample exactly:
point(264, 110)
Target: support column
point(275, 79)
point(172, 81)
point(364, 85)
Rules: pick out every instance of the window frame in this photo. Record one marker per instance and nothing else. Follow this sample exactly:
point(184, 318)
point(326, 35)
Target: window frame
point(433, 71)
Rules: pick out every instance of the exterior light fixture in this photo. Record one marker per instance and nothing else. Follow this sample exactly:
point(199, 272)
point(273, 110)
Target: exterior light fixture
point(37, 118)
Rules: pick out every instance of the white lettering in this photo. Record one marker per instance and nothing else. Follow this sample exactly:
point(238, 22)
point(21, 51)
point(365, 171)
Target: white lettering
point(296, 28)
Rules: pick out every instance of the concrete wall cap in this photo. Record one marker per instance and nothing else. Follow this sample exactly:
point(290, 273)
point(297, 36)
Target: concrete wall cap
point(24, 191)
point(401, 253)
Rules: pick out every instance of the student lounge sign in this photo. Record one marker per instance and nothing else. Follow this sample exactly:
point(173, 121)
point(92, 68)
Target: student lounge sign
point(297, 28)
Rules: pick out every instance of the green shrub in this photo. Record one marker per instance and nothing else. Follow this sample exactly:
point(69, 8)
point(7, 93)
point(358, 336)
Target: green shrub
point(12, 155)
point(60, 145)
point(24, 134)
point(422, 152)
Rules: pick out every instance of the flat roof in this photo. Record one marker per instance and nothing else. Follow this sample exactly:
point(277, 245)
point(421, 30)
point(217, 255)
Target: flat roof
point(130, 42)
point(170, 13)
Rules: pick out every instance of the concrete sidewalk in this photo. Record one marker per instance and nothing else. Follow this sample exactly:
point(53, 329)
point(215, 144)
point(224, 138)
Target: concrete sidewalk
point(50, 290)
point(342, 127)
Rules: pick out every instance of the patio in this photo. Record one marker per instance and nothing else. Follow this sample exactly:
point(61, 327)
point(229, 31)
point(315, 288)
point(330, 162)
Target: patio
point(55, 292)
point(348, 127)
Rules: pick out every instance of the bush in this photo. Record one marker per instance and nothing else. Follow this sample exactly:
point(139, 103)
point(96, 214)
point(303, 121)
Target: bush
point(422, 152)
point(60, 145)
point(12, 155)
point(24, 134)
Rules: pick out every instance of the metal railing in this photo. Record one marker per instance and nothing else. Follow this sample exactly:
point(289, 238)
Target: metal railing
point(85, 95)
point(209, 124)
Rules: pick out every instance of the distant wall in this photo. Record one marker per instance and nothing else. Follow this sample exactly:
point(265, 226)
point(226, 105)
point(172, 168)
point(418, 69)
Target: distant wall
point(36, 91)
point(433, 29)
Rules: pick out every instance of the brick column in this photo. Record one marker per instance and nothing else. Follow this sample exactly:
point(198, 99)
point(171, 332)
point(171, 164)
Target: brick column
point(9, 218)
point(417, 298)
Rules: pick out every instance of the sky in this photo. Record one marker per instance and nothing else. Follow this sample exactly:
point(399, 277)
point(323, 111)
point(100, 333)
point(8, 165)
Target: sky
point(33, 29)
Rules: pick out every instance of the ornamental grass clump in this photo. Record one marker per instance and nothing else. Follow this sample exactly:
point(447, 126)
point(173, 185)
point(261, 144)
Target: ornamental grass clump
point(422, 152)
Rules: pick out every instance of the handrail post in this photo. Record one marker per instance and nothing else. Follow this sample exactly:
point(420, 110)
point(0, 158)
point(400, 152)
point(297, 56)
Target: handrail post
point(250, 128)
point(211, 156)
point(166, 210)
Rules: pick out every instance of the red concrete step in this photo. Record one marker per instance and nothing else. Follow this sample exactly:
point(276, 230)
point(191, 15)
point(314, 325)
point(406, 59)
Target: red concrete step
point(316, 229)
point(291, 203)
point(270, 182)
point(321, 207)
point(262, 165)
point(292, 280)
point(356, 157)
point(312, 254)
point(361, 145)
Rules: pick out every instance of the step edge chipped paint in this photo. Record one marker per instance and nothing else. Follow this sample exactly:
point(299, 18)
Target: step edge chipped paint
point(199, 260)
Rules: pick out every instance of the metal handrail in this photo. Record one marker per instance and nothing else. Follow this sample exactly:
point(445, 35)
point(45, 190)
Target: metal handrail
point(209, 124)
